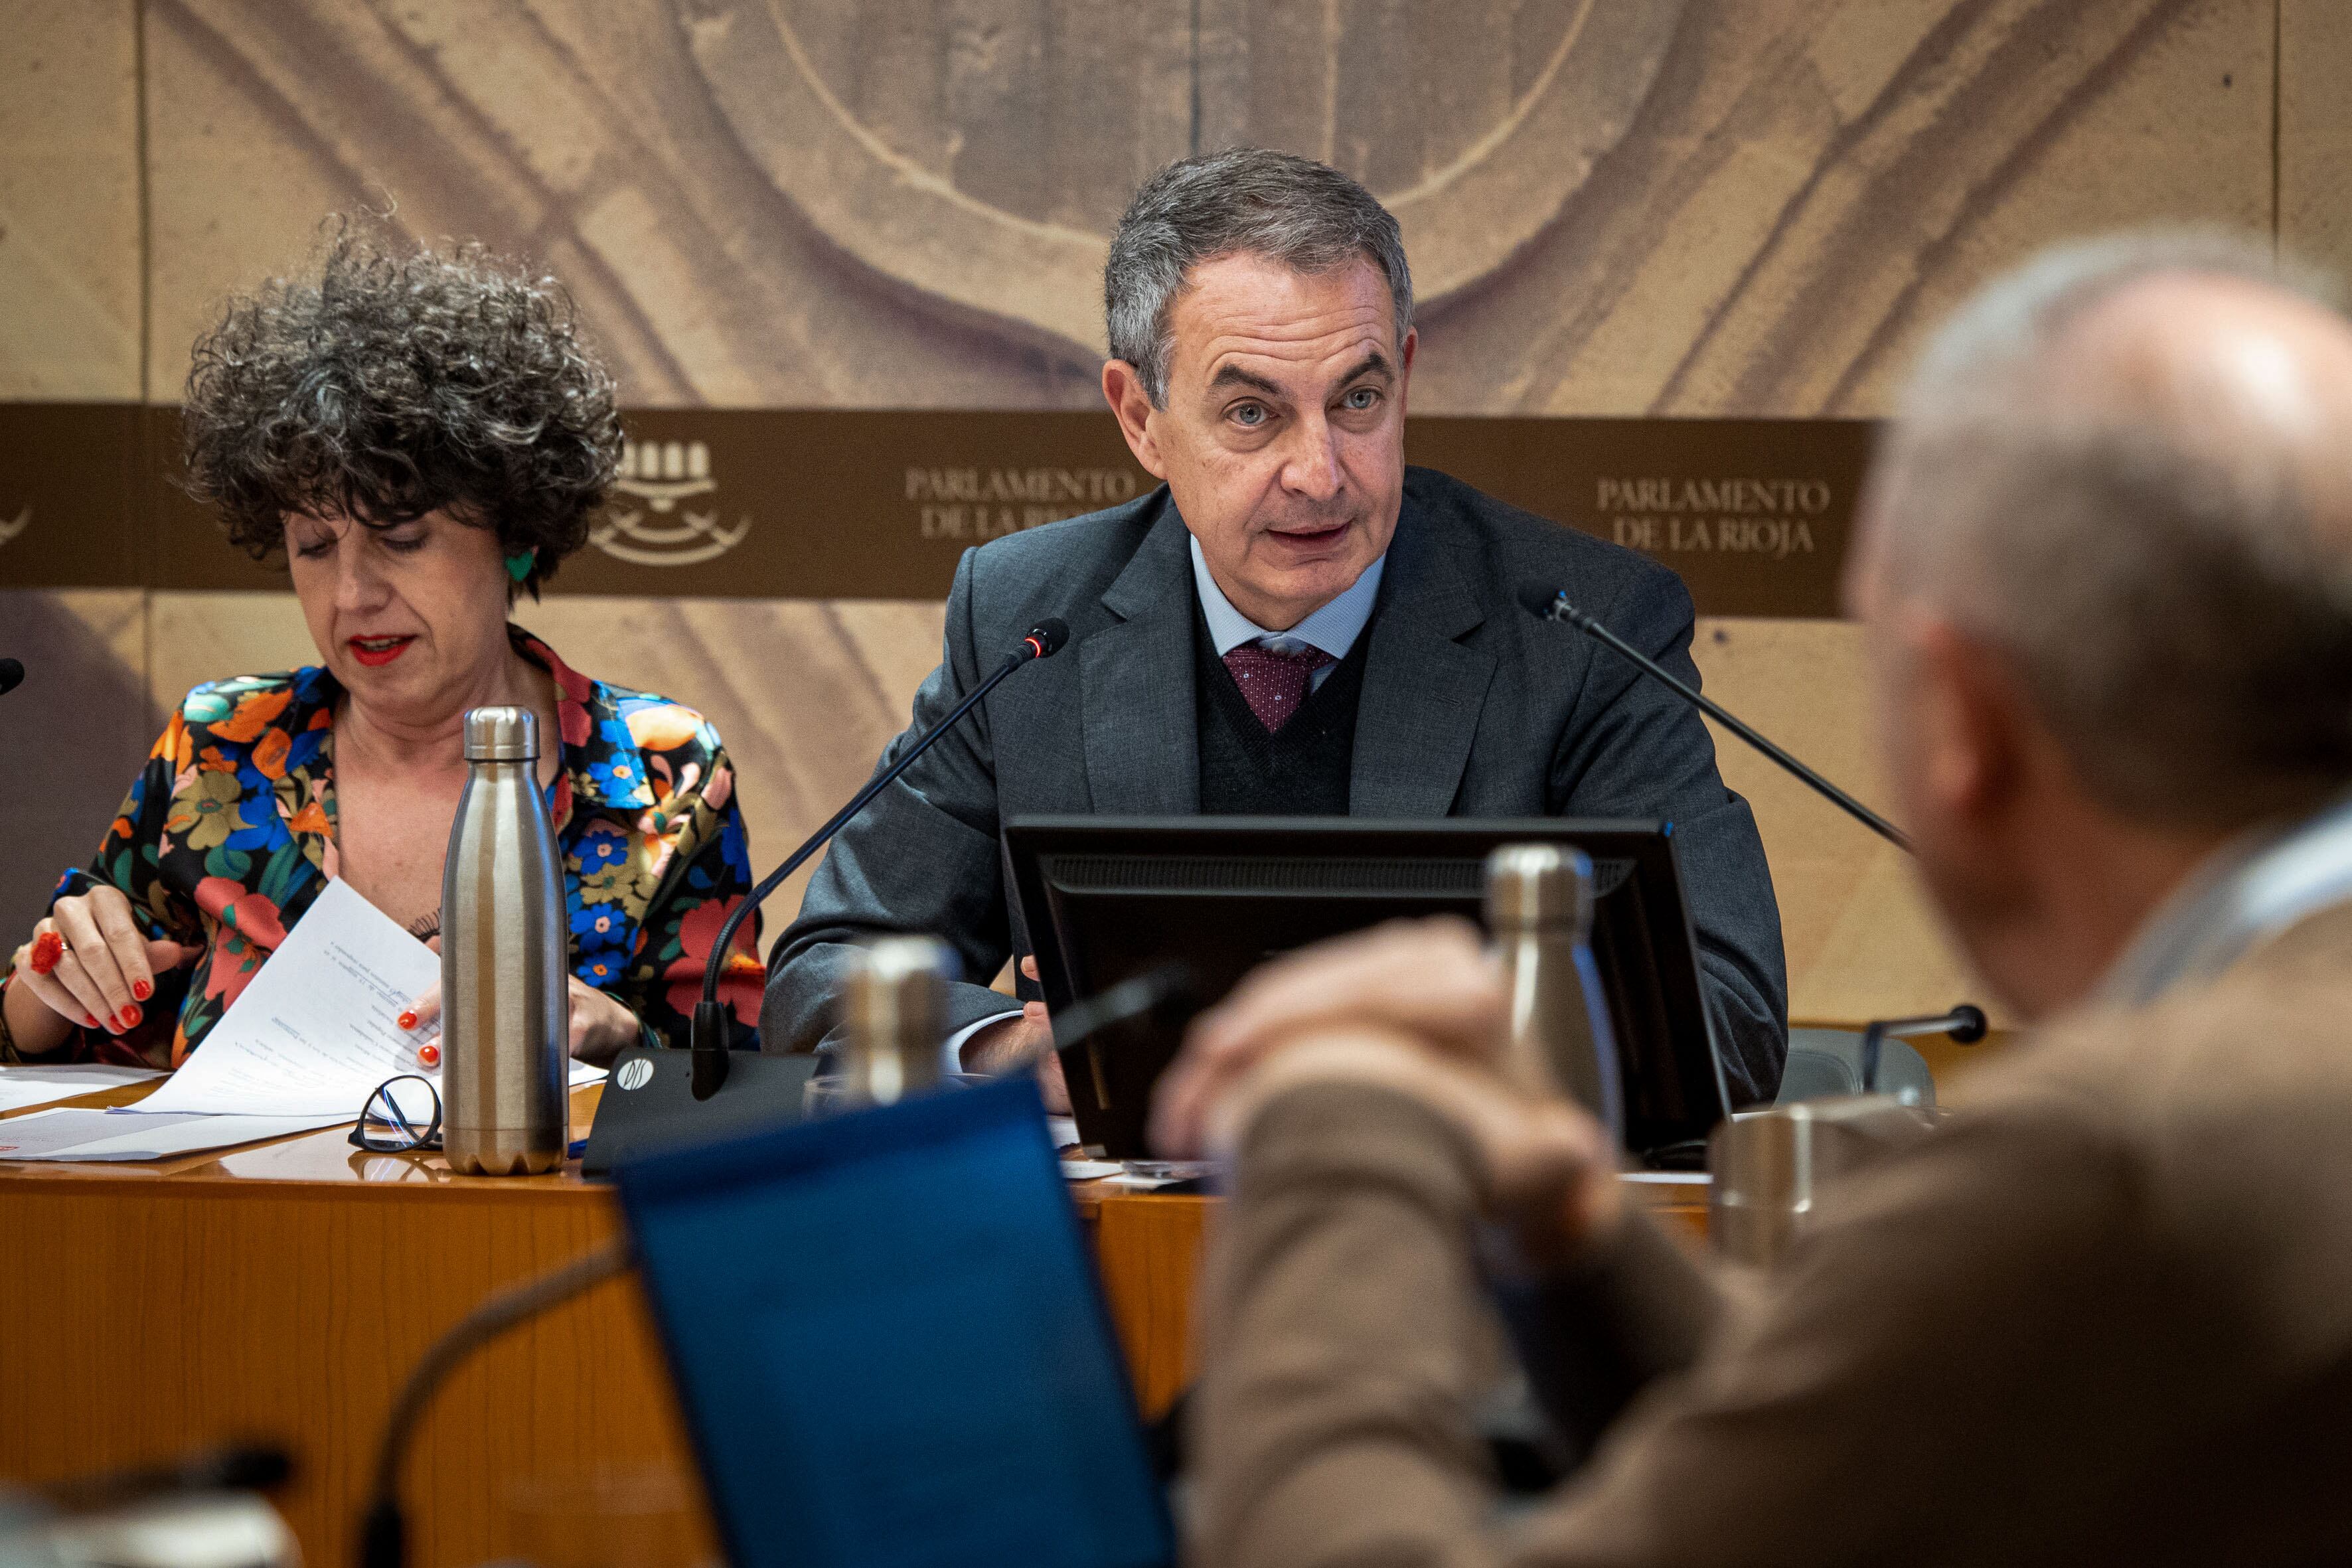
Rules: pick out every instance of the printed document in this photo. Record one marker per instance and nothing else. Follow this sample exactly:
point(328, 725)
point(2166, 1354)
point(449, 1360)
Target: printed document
point(318, 1029)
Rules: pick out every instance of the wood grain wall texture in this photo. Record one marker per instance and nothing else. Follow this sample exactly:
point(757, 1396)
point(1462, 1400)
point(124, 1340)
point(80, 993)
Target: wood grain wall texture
point(1614, 206)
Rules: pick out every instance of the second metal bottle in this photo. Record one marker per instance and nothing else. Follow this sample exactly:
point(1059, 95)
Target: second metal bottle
point(505, 1013)
point(896, 1008)
point(1540, 911)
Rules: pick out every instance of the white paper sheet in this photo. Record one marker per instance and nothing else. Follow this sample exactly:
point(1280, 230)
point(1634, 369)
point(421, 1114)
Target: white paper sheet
point(40, 1084)
point(78, 1134)
point(316, 1030)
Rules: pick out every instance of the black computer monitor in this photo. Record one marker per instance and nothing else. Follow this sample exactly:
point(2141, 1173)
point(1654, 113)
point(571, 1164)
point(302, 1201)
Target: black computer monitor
point(1110, 899)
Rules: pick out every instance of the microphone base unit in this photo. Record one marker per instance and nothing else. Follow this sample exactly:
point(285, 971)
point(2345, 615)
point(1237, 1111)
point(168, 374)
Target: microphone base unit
point(650, 1102)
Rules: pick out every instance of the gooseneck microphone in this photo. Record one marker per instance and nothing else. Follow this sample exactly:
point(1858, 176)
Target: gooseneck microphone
point(708, 1034)
point(12, 675)
point(1965, 1024)
point(1552, 605)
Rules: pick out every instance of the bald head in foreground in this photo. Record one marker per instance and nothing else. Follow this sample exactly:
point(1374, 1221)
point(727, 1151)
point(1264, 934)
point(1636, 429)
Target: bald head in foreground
point(2105, 1312)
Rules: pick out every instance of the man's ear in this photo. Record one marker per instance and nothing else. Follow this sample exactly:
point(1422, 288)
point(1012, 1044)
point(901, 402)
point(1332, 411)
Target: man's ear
point(1975, 727)
point(1122, 386)
point(1404, 366)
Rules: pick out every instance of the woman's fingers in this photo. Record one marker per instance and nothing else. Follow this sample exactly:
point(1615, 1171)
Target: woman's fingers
point(601, 1026)
point(89, 968)
point(582, 1013)
point(110, 908)
point(104, 970)
point(52, 992)
point(424, 1013)
point(87, 1003)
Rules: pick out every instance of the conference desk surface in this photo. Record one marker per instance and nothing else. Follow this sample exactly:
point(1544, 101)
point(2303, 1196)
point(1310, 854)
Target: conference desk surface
point(282, 1292)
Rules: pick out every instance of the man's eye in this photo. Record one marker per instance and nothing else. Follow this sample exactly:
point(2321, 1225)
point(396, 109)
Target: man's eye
point(314, 552)
point(399, 545)
point(1249, 415)
point(1361, 398)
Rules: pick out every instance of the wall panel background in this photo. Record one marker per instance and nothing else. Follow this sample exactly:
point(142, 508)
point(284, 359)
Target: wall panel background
point(1615, 208)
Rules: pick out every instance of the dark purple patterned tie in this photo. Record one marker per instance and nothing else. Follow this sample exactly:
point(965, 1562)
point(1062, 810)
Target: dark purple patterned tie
point(1273, 681)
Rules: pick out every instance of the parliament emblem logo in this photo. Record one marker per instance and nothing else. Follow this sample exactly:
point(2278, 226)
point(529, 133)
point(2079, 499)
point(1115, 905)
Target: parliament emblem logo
point(635, 1073)
point(665, 529)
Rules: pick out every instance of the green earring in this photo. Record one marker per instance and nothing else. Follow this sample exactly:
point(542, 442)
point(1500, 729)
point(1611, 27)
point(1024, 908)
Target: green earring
point(519, 565)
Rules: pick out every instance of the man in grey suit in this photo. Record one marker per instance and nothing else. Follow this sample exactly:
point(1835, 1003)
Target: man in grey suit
point(1296, 623)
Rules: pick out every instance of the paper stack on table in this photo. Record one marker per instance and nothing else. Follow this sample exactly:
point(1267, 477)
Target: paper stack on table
point(40, 1083)
point(76, 1134)
point(302, 1047)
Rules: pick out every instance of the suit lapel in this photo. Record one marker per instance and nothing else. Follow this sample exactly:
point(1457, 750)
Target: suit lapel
point(1142, 746)
point(1422, 690)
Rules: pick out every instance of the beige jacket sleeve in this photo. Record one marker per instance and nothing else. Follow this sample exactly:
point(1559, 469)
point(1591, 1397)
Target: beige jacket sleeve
point(1906, 1367)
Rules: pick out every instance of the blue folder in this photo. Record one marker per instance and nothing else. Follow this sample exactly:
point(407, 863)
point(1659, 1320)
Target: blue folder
point(890, 1344)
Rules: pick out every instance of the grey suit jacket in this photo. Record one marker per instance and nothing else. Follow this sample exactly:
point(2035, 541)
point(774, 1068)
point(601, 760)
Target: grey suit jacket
point(1470, 707)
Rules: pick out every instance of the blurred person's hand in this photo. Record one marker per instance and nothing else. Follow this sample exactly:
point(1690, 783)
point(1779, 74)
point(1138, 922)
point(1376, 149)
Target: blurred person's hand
point(1416, 1007)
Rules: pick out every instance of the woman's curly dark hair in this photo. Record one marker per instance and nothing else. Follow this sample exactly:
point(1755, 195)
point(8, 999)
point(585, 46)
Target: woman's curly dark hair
point(395, 382)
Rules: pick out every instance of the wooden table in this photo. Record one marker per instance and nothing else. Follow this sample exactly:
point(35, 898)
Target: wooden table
point(283, 1292)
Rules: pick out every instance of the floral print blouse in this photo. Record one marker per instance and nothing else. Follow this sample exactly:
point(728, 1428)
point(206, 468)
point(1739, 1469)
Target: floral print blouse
point(229, 833)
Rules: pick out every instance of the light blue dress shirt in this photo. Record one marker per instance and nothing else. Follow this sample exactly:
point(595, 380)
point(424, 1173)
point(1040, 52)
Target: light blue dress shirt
point(1334, 628)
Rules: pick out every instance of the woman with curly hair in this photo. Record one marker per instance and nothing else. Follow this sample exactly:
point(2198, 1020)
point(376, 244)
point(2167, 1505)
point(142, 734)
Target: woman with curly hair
point(425, 436)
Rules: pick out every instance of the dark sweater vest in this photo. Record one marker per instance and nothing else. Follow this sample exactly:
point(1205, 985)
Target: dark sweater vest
point(1300, 770)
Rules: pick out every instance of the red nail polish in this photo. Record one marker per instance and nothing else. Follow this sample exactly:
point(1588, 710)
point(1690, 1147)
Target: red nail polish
point(407, 1020)
point(130, 1017)
point(429, 1055)
point(140, 989)
point(88, 1022)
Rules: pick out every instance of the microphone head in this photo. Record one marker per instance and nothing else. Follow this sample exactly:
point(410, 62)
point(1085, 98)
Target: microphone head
point(12, 675)
point(1540, 601)
point(1047, 637)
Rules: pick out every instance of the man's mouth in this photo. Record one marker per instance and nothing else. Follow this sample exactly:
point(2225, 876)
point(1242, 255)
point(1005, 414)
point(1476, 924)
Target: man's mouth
point(373, 652)
point(1310, 537)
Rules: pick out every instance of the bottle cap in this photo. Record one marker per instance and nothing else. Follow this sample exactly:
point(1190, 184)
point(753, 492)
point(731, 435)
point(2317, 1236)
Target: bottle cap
point(1540, 885)
point(501, 735)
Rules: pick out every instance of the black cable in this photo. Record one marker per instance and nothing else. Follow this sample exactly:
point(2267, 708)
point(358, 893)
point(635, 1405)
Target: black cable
point(383, 1533)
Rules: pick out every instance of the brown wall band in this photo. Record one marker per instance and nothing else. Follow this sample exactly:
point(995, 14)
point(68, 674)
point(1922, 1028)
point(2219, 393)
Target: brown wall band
point(834, 504)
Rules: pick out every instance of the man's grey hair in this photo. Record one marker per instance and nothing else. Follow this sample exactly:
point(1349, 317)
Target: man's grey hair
point(1248, 201)
point(2176, 599)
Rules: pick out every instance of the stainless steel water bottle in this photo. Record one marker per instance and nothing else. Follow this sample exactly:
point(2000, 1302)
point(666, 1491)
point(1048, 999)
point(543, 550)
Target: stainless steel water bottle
point(897, 1011)
point(1540, 911)
point(506, 1016)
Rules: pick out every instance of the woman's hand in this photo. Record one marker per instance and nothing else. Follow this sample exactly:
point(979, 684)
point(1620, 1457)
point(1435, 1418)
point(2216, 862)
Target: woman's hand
point(600, 1028)
point(87, 965)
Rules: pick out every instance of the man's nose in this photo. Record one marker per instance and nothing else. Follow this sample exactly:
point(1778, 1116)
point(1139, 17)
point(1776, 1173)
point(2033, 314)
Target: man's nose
point(1310, 467)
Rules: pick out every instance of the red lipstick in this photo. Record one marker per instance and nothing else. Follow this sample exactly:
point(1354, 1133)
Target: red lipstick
point(376, 651)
